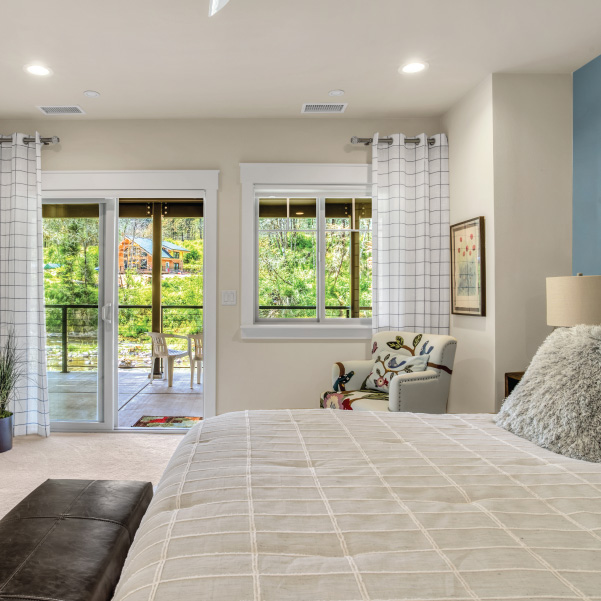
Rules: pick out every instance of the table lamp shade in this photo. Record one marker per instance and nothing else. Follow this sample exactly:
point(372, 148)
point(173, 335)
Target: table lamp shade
point(574, 300)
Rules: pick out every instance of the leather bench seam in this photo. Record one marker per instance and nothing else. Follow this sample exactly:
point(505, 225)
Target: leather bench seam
point(57, 520)
point(65, 516)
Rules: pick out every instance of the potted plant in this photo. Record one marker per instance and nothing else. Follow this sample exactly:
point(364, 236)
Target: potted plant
point(11, 369)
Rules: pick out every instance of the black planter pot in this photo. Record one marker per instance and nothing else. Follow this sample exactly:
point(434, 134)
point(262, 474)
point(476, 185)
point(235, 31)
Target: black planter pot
point(6, 433)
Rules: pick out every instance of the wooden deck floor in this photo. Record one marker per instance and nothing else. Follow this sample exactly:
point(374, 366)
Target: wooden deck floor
point(73, 396)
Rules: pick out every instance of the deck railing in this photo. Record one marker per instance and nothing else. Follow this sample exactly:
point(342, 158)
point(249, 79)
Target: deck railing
point(80, 326)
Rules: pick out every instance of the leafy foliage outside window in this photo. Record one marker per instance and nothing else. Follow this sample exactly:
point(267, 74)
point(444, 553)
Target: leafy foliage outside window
point(71, 277)
point(72, 245)
point(287, 274)
point(290, 234)
point(180, 289)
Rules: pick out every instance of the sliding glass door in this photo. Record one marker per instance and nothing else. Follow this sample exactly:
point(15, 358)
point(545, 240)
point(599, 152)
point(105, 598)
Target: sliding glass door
point(78, 276)
point(160, 280)
point(115, 271)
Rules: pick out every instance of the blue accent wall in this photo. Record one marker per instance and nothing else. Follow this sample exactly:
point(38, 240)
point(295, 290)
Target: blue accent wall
point(586, 226)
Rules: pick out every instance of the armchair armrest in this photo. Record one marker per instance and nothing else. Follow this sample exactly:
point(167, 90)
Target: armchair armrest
point(419, 392)
point(349, 375)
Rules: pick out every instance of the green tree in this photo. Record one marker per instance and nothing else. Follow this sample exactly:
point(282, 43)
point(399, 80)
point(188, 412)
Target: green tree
point(73, 245)
point(192, 257)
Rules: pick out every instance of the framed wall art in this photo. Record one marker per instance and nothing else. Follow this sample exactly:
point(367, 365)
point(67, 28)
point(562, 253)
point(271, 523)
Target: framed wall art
point(468, 268)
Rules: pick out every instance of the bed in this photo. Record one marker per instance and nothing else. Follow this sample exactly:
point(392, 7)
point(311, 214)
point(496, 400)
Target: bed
point(351, 506)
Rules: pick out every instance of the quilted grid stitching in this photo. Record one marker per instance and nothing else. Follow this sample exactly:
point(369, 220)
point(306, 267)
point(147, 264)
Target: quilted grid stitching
point(349, 506)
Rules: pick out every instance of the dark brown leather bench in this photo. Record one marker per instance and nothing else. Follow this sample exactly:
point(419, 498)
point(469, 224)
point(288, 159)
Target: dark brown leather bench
point(67, 540)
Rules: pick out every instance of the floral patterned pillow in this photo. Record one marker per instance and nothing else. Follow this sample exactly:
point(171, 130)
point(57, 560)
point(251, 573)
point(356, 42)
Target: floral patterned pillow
point(388, 365)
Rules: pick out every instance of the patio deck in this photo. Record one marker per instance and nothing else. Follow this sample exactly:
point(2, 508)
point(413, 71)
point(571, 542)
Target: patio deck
point(73, 396)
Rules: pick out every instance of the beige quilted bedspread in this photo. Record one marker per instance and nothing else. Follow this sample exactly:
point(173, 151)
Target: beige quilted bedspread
point(323, 505)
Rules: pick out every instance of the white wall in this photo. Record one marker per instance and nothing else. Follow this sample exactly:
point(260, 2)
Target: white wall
point(510, 160)
point(533, 209)
point(469, 126)
point(250, 374)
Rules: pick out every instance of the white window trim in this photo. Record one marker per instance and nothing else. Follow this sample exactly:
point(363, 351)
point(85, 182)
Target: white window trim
point(256, 175)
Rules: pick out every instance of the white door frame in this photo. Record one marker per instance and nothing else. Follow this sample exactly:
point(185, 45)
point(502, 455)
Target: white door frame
point(158, 184)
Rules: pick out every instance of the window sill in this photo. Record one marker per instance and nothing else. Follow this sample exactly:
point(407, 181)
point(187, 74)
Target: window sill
point(305, 332)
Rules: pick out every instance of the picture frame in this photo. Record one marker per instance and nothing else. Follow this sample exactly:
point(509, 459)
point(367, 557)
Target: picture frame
point(468, 268)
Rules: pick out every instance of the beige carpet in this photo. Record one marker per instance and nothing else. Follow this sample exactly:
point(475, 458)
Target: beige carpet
point(88, 456)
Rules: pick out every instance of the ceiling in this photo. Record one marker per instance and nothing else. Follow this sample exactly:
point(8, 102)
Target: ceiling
point(265, 58)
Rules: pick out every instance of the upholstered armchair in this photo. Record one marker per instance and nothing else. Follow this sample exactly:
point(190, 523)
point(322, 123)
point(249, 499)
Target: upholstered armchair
point(355, 383)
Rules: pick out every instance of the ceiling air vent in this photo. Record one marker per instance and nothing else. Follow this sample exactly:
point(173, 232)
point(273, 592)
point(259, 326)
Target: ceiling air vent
point(62, 110)
point(328, 107)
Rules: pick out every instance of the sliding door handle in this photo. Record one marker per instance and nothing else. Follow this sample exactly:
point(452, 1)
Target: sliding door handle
point(106, 313)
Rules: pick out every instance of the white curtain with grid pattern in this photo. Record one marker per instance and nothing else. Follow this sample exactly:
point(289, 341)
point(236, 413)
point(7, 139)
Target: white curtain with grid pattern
point(411, 257)
point(22, 278)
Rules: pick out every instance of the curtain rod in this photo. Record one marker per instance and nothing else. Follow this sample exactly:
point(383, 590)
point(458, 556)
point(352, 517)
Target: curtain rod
point(368, 141)
point(29, 139)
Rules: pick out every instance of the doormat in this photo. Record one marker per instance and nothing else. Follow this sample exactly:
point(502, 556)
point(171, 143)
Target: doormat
point(153, 421)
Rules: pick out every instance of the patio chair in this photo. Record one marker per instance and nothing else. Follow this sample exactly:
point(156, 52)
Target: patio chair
point(160, 350)
point(195, 353)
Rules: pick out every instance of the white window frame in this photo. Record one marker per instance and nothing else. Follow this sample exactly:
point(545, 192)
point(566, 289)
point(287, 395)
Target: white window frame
point(354, 178)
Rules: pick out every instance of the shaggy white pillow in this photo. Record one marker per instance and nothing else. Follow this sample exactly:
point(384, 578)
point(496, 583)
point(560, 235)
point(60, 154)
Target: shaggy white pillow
point(557, 404)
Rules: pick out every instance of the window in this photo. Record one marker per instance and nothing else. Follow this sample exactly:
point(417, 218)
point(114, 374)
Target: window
point(287, 258)
point(347, 257)
point(306, 251)
point(313, 257)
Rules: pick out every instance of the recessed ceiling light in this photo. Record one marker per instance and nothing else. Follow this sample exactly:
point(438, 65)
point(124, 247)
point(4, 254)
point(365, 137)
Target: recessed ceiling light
point(37, 69)
point(300, 213)
point(91, 93)
point(413, 67)
point(336, 93)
